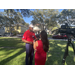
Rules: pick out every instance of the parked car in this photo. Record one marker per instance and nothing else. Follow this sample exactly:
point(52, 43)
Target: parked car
point(60, 36)
point(8, 34)
point(11, 34)
point(20, 35)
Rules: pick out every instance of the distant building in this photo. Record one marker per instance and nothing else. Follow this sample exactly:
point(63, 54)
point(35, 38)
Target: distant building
point(19, 29)
point(2, 30)
point(36, 29)
point(40, 25)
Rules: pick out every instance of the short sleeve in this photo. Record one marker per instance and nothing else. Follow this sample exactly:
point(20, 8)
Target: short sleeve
point(24, 36)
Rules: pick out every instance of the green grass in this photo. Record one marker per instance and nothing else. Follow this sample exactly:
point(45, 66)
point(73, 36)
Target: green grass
point(49, 36)
point(12, 52)
point(56, 52)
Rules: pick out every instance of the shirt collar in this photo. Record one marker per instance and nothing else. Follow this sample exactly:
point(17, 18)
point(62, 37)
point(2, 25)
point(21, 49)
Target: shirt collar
point(29, 30)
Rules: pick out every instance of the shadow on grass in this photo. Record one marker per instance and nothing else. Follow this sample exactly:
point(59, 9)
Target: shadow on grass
point(3, 62)
point(54, 55)
point(56, 52)
point(9, 46)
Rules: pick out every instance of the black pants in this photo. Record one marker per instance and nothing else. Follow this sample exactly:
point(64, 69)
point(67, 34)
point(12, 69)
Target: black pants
point(29, 54)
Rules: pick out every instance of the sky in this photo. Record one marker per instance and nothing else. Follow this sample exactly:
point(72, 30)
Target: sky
point(26, 19)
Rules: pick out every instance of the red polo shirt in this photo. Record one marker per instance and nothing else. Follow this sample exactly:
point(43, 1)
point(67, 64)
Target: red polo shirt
point(29, 36)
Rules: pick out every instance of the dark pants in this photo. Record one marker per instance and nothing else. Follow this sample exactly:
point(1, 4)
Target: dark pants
point(29, 54)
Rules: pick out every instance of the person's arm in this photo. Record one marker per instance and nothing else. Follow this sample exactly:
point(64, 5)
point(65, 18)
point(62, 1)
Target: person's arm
point(27, 41)
point(35, 44)
point(24, 39)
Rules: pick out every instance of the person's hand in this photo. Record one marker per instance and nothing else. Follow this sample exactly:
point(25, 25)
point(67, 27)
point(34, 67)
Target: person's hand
point(36, 39)
point(35, 50)
point(31, 42)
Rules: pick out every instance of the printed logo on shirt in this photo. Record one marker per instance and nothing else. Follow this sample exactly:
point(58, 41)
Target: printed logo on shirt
point(23, 36)
point(33, 36)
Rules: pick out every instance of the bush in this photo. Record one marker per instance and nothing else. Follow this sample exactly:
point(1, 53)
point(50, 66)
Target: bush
point(49, 36)
point(15, 32)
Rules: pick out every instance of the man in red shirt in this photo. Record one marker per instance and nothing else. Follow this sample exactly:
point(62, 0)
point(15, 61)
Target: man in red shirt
point(28, 38)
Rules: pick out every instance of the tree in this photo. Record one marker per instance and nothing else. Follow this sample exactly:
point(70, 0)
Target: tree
point(10, 14)
point(14, 18)
point(46, 17)
point(3, 19)
point(34, 22)
point(18, 19)
point(66, 15)
point(24, 12)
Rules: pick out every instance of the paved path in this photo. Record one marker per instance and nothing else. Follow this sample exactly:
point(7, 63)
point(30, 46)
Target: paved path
point(11, 36)
point(48, 38)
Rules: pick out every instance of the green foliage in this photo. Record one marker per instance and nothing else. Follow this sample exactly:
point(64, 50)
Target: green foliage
point(12, 17)
point(49, 36)
point(54, 28)
point(45, 17)
point(15, 17)
point(24, 12)
point(26, 24)
point(15, 32)
point(66, 15)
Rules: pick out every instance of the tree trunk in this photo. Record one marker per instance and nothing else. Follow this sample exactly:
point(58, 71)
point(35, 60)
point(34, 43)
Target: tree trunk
point(10, 30)
point(42, 26)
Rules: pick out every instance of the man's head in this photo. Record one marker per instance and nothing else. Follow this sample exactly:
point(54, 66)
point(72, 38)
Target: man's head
point(31, 27)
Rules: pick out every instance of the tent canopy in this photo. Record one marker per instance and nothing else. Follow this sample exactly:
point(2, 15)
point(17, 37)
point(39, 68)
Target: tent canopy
point(36, 29)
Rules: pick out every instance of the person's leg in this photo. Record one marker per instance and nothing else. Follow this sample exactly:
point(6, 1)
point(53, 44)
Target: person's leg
point(27, 53)
point(31, 54)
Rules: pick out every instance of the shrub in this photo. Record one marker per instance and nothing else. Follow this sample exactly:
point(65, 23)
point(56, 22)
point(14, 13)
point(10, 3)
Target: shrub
point(15, 32)
point(49, 36)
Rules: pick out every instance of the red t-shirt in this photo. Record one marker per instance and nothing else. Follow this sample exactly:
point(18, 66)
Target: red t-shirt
point(29, 36)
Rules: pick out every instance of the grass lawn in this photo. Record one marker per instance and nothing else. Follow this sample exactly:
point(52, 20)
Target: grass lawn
point(12, 52)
